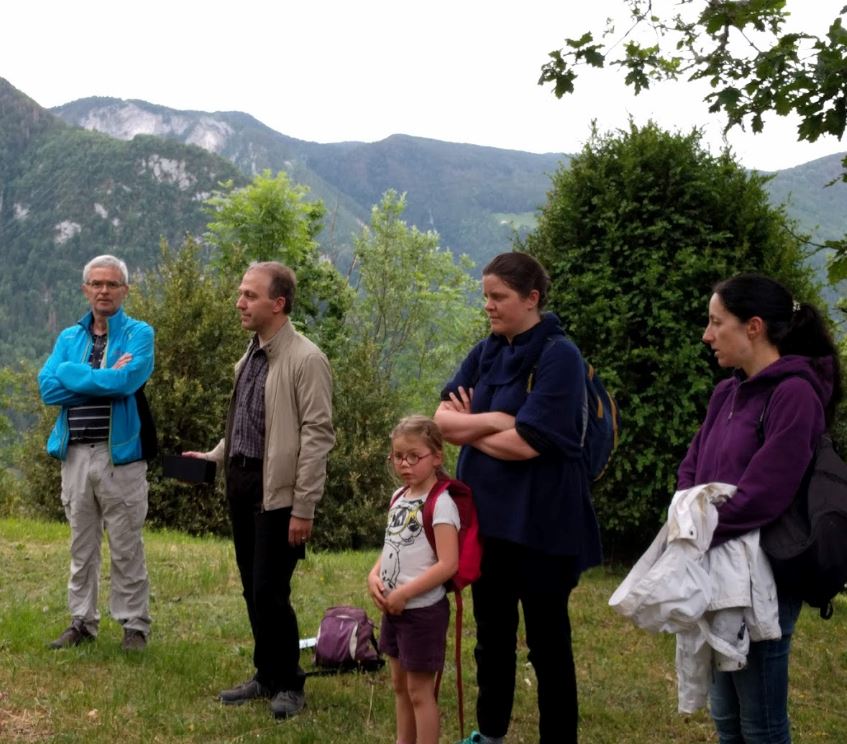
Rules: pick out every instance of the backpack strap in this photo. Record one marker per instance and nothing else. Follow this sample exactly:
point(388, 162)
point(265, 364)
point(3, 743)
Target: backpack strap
point(589, 373)
point(397, 494)
point(760, 425)
point(460, 687)
point(530, 381)
point(441, 485)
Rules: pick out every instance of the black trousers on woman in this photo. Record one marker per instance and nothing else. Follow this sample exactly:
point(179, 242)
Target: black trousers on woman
point(266, 563)
point(511, 575)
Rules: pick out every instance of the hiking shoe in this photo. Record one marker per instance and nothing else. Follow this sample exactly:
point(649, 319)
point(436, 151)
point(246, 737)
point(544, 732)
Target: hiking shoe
point(287, 703)
point(252, 689)
point(134, 640)
point(73, 636)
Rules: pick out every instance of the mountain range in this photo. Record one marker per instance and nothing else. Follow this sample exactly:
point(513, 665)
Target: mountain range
point(474, 197)
point(67, 194)
point(107, 175)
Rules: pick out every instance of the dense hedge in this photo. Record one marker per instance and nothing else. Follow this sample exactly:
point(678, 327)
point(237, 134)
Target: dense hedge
point(635, 233)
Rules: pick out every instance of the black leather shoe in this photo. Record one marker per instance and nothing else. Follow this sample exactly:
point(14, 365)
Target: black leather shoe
point(73, 636)
point(252, 689)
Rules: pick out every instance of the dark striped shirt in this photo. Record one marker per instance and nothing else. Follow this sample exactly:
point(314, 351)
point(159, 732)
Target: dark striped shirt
point(90, 421)
point(248, 428)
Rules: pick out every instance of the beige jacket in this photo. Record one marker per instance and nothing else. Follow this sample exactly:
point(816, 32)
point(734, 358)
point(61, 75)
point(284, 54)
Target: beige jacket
point(298, 423)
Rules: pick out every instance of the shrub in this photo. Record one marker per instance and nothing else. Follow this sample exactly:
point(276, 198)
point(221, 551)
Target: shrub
point(634, 234)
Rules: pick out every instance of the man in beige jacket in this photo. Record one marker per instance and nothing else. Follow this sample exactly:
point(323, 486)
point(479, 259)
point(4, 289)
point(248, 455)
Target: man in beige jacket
point(274, 452)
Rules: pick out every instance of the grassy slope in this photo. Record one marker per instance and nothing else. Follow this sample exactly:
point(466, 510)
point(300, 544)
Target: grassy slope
point(201, 644)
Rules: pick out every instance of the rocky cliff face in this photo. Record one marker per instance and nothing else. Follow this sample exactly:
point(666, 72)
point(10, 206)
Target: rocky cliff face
point(126, 119)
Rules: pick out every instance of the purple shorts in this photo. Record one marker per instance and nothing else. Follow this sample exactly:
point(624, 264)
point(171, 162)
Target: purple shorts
point(417, 637)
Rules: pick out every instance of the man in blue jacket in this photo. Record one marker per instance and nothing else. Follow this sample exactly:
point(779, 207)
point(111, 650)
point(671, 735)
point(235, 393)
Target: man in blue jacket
point(93, 373)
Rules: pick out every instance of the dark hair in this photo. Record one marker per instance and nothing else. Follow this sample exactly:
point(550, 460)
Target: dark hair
point(283, 281)
point(521, 272)
point(794, 328)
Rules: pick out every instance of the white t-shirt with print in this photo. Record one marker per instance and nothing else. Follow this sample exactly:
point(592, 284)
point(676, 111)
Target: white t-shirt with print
point(407, 553)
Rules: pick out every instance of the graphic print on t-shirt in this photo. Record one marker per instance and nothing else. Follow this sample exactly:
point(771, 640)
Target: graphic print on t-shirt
point(405, 524)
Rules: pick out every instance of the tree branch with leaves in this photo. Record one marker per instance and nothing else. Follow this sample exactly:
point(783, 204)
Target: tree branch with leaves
point(742, 49)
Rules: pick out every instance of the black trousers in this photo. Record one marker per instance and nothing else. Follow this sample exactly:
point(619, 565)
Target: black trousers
point(513, 574)
point(266, 563)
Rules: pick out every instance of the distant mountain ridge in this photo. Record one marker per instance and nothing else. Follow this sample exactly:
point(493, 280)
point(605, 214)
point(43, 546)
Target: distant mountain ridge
point(67, 194)
point(107, 175)
point(814, 195)
point(474, 197)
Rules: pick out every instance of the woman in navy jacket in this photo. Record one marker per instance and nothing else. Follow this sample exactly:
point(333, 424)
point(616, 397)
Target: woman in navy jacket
point(516, 407)
point(760, 433)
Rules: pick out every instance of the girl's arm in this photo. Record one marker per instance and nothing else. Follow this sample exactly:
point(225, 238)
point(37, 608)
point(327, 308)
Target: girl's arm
point(445, 567)
point(375, 585)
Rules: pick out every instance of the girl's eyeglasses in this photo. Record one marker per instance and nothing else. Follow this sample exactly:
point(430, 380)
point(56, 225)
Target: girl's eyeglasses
point(411, 458)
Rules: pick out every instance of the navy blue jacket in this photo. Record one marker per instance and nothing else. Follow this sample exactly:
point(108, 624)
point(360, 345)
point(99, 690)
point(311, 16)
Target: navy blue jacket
point(544, 502)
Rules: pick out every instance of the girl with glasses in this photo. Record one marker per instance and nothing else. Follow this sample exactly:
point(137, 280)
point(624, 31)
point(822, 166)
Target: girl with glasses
point(407, 581)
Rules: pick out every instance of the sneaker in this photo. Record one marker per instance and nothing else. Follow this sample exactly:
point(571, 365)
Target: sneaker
point(287, 703)
point(478, 738)
point(252, 689)
point(73, 636)
point(134, 640)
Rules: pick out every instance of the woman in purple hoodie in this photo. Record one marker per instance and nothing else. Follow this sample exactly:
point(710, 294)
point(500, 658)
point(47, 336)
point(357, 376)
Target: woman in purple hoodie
point(760, 433)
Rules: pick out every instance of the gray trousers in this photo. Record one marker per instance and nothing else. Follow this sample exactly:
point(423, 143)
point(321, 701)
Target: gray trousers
point(98, 495)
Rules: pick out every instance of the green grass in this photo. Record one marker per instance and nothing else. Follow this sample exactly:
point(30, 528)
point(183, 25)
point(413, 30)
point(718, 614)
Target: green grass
point(201, 643)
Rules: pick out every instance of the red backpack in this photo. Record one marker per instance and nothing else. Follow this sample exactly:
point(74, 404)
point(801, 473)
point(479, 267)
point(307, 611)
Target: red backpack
point(470, 546)
point(470, 558)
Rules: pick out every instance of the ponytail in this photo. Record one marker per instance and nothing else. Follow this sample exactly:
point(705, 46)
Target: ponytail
point(809, 336)
point(806, 334)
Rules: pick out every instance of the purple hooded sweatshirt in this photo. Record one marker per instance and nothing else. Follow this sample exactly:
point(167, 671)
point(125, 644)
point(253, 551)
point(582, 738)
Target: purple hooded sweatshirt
point(728, 448)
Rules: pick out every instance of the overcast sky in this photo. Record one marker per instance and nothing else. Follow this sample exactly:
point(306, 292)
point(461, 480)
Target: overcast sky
point(334, 70)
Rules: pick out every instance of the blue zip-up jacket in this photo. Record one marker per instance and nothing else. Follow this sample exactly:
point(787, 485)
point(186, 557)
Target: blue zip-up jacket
point(67, 379)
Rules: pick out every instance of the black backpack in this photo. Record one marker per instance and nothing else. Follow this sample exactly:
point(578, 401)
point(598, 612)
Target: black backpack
point(807, 544)
point(148, 435)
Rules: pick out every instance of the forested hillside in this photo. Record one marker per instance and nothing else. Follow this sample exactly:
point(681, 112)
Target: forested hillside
point(67, 194)
point(815, 196)
point(474, 197)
